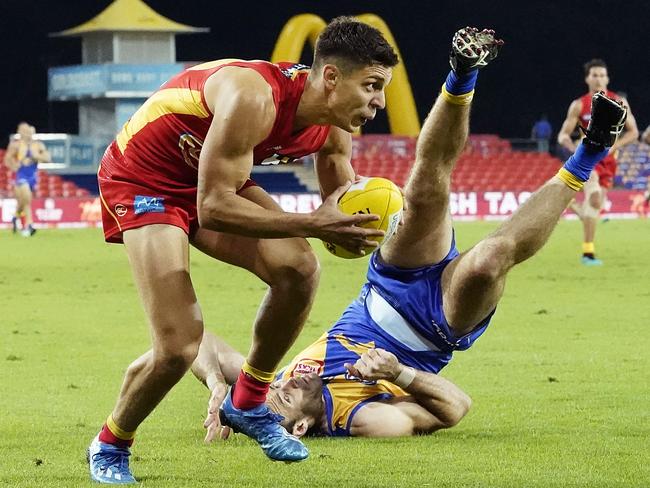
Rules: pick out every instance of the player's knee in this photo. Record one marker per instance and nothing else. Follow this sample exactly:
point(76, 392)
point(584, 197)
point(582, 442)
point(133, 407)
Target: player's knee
point(492, 259)
point(301, 271)
point(592, 208)
point(423, 196)
point(175, 363)
point(176, 357)
point(595, 200)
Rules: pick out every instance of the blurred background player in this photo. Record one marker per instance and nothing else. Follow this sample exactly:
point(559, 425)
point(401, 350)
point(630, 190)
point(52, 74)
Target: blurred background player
point(178, 173)
point(423, 300)
point(22, 156)
point(595, 190)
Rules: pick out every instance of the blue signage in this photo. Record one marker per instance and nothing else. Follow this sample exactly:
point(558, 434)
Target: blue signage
point(108, 80)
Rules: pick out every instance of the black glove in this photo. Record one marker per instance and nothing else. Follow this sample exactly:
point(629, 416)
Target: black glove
point(472, 49)
point(606, 123)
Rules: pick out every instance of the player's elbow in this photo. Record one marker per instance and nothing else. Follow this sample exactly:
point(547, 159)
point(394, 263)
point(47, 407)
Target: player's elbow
point(212, 213)
point(457, 408)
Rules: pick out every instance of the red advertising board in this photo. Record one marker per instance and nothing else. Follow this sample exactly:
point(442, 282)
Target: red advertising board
point(489, 205)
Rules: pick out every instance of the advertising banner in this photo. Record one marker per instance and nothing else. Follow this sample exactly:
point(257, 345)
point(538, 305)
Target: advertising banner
point(108, 80)
point(495, 205)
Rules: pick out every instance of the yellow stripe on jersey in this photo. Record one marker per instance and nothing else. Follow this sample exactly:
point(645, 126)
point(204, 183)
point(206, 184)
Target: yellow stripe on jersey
point(347, 395)
point(163, 102)
point(213, 64)
point(356, 347)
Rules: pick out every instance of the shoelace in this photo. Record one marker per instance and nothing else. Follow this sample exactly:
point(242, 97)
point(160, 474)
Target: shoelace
point(116, 456)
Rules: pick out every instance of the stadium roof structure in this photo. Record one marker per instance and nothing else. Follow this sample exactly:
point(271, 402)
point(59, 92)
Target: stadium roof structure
point(130, 15)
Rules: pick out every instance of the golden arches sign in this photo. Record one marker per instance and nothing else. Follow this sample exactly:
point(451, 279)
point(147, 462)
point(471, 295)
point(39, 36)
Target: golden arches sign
point(400, 105)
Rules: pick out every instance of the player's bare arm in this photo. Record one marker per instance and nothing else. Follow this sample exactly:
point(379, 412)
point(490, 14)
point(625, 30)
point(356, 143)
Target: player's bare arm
point(332, 162)
point(11, 159)
point(41, 154)
point(569, 125)
point(216, 366)
point(244, 115)
point(631, 133)
point(435, 403)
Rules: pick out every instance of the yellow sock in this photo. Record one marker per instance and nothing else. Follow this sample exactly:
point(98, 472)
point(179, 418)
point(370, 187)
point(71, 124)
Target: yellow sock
point(258, 374)
point(588, 248)
point(464, 99)
point(117, 431)
point(570, 179)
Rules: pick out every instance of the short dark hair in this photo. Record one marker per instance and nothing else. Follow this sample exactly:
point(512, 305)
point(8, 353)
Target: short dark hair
point(352, 43)
point(594, 63)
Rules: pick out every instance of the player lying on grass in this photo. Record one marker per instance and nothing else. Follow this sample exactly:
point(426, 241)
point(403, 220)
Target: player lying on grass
point(374, 372)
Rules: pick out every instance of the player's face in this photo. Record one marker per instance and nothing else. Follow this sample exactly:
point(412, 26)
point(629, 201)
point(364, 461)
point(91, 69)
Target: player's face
point(297, 398)
point(357, 95)
point(25, 131)
point(597, 79)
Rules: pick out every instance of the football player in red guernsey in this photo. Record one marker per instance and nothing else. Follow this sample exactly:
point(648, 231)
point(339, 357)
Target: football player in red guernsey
point(601, 178)
point(178, 174)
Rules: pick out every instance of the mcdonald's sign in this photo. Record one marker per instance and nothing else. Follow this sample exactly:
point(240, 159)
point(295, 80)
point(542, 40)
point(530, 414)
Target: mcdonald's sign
point(400, 105)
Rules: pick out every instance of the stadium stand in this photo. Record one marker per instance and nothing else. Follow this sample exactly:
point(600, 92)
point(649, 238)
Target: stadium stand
point(633, 167)
point(279, 182)
point(488, 163)
point(48, 186)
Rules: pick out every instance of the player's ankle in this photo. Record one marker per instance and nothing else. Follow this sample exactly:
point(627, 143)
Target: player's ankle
point(111, 434)
point(461, 84)
point(578, 167)
point(250, 391)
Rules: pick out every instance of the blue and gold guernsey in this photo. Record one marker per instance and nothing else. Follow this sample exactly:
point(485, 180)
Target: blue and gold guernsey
point(399, 310)
point(27, 171)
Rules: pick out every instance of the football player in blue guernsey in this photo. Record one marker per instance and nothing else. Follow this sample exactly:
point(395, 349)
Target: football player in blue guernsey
point(375, 371)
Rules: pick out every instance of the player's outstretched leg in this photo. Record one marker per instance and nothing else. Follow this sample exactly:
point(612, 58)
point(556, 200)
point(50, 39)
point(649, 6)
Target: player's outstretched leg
point(425, 237)
point(290, 269)
point(159, 257)
point(591, 206)
point(478, 276)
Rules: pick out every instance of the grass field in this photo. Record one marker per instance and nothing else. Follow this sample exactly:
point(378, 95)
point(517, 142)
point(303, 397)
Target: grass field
point(560, 380)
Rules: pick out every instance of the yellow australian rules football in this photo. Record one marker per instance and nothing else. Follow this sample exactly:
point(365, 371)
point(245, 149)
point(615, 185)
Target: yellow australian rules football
point(372, 195)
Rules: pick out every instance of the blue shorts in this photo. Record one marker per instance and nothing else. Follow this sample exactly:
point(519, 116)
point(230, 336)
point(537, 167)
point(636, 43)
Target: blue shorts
point(26, 181)
point(400, 310)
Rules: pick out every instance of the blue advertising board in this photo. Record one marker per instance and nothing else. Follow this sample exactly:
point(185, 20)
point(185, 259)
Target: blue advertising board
point(108, 80)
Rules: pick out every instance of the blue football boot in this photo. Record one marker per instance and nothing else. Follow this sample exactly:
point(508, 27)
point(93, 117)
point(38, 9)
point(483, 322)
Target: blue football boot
point(587, 261)
point(109, 464)
point(263, 425)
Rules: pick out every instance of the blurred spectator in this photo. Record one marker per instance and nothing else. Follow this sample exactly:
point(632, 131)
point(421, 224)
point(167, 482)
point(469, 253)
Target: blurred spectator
point(542, 133)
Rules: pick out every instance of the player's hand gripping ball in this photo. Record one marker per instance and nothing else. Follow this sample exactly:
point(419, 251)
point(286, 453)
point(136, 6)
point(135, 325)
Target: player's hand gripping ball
point(372, 195)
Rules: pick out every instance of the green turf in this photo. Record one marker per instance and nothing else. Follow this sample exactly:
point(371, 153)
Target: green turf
point(559, 381)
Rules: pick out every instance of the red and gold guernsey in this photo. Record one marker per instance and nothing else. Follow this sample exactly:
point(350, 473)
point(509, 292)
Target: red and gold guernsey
point(149, 173)
point(606, 168)
point(585, 110)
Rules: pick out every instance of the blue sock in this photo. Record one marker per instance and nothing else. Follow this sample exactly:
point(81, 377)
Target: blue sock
point(460, 85)
point(583, 161)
